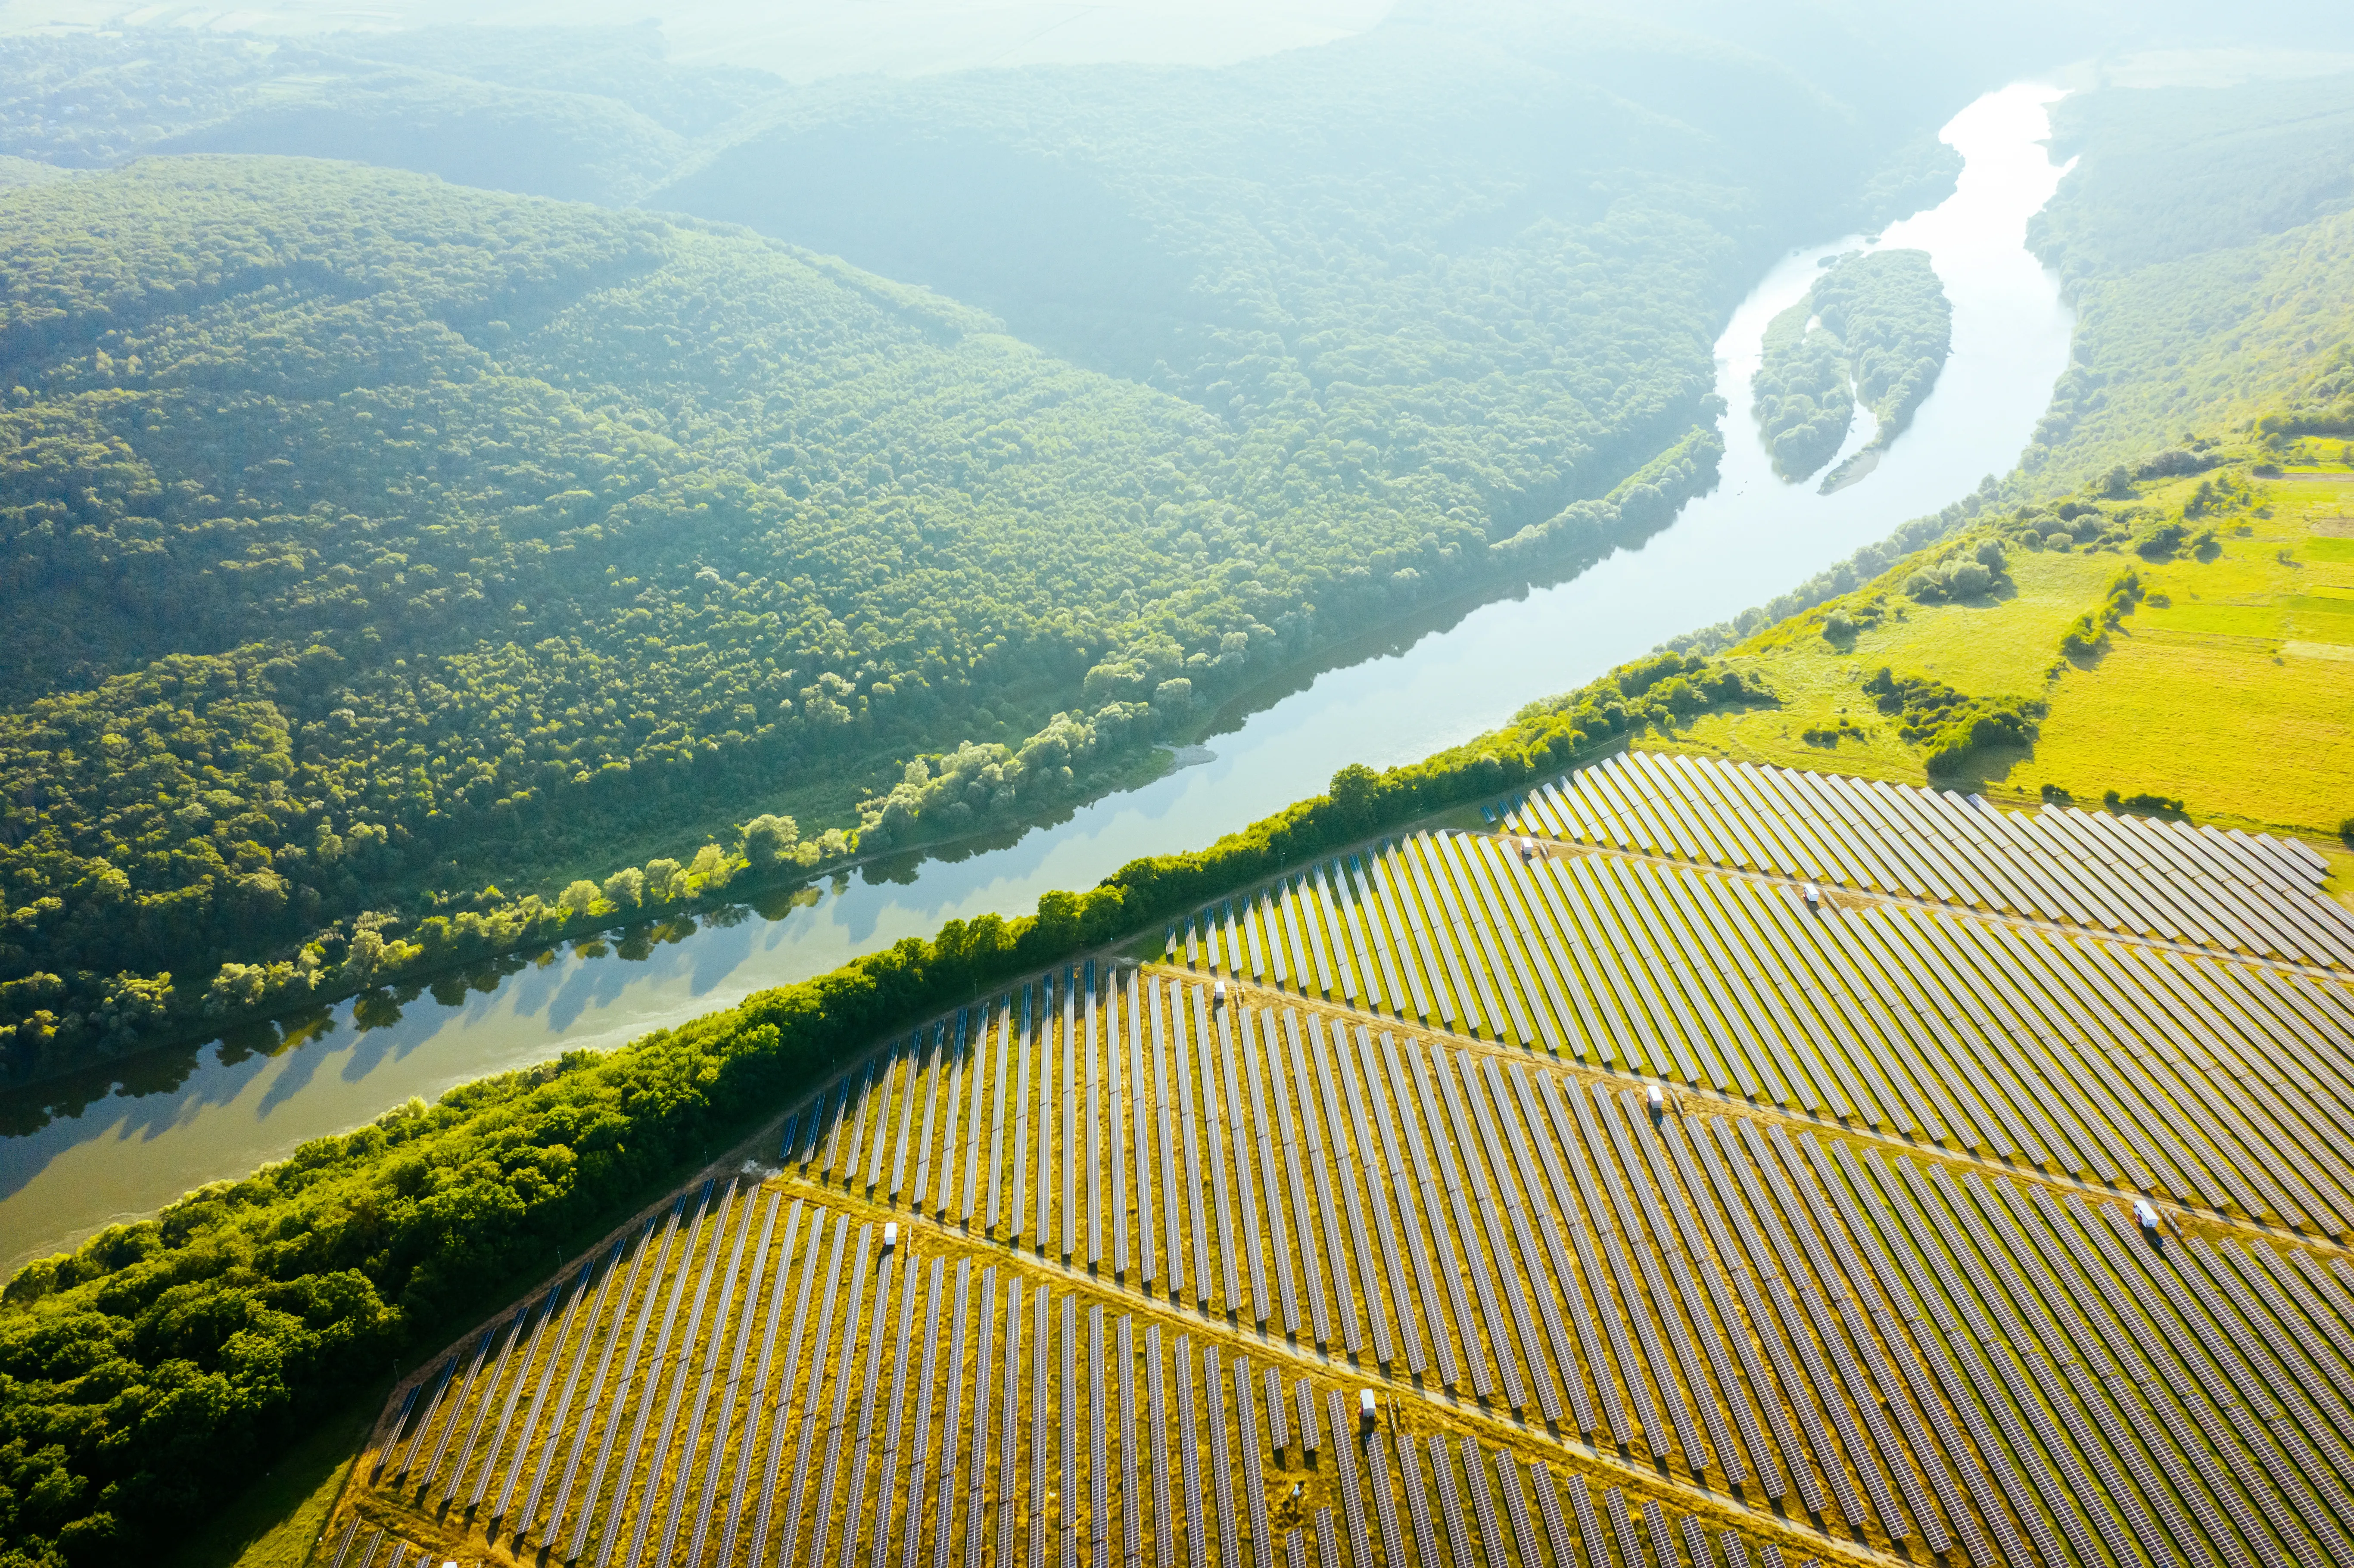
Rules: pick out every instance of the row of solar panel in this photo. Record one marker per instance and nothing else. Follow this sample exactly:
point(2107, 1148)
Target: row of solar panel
point(2205, 1079)
point(880, 1499)
point(1713, 1281)
point(2222, 888)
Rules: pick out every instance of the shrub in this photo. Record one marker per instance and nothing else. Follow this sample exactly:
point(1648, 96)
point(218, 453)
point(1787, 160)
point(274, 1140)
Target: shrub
point(2085, 636)
point(2089, 633)
point(2173, 462)
point(1960, 576)
point(1950, 726)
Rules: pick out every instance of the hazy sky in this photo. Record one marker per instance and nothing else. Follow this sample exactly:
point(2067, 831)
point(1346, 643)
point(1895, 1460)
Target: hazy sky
point(804, 40)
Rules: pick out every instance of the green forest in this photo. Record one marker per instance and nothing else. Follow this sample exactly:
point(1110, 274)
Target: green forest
point(370, 541)
point(395, 563)
point(1875, 329)
point(2206, 236)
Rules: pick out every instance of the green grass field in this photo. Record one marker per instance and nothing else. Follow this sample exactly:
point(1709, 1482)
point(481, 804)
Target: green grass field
point(2005, 644)
point(2228, 687)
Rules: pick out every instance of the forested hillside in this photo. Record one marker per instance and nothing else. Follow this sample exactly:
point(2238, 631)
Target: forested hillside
point(1325, 250)
point(2207, 237)
point(381, 550)
point(365, 537)
point(594, 114)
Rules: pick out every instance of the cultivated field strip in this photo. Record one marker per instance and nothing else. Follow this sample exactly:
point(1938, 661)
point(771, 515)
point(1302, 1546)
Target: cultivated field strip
point(2203, 1078)
point(2225, 889)
point(905, 1366)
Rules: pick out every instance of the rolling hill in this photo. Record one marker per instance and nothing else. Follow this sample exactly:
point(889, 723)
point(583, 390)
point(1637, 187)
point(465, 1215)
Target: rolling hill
point(386, 552)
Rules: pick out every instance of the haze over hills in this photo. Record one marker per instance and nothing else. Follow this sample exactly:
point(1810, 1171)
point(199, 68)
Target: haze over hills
point(809, 40)
point(2207, 239)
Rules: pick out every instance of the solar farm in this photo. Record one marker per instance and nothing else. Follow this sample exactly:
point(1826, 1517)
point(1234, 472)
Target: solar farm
point(1705, 1165)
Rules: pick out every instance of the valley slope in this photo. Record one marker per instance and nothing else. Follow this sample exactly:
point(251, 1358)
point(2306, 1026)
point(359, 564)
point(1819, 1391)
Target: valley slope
point(404, 571)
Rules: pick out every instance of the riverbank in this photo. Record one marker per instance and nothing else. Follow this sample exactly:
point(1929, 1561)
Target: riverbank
point(219, 1111)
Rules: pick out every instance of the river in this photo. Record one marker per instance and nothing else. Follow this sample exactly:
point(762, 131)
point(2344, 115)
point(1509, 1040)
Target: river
point(216, 1113)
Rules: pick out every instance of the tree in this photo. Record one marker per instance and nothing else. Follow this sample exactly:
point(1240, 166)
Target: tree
point(711, 869)
point(580, 898)
point(366, 950)
point(665, 882)
point(1355, 792)
point(769, 840)
point(626, 888)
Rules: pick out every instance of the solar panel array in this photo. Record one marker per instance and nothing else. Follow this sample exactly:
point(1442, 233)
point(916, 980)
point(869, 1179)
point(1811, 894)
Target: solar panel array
point(861, 1383)
point(2098, 1378)
point(1155, 1236)
point(2214, 887)
point(2195, 1076)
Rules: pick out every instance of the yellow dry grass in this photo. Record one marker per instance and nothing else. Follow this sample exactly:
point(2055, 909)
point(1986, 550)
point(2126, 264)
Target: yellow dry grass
point(2236, 695)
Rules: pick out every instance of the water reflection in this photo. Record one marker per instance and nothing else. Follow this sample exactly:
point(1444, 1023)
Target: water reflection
point(81, 1154)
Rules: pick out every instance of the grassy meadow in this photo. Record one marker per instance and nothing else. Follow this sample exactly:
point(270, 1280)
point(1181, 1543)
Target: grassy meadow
point(2230, 686)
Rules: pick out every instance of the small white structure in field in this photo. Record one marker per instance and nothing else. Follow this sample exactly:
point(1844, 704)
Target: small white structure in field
point(1368, 1408)
point(2146, 1217)
point(890, 1235)
point(1657, 1099)
point(1814, 899)
point(1217, 993)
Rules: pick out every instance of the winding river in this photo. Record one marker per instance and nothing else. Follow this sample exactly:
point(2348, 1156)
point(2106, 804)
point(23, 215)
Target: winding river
point(69, 1167)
